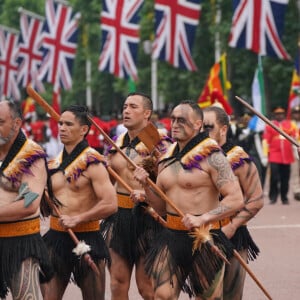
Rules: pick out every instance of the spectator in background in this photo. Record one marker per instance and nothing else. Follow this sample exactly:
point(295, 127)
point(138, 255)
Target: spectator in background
point(255, 149)
point(156, 121)
point(38, 129)
point(120, 128)
point(52, 144)
point(26, 127)
point(94, 137)
point(295, 116)
point(280, 155)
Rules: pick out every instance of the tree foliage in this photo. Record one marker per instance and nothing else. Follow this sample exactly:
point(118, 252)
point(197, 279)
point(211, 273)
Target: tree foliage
point(173, 84)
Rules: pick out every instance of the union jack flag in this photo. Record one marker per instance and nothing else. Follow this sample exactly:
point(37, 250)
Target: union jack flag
point(120, 37)
point(30, 53)
point(175, 28)
point(59, 45)
point(257, 25)
point(8, 63)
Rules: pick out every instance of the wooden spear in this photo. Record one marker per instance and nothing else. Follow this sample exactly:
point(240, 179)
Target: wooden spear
point(149, 136)
point(269, 122)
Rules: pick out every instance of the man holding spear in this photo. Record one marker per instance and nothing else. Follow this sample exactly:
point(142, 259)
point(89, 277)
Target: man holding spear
point(130, 231)
point(80, 182)
point(23, 178)
point(192, 173)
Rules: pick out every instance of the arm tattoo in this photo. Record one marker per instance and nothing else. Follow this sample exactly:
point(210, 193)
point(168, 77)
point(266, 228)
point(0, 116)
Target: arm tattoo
point(219, 162)
point(219, 210)
point(248, 200)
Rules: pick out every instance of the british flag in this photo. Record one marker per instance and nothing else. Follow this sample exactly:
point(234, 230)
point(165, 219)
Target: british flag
point(8, 63)
point(30, 53)
point(175, 28)
point(120, 37)
point(257, 25)
point(59, 45)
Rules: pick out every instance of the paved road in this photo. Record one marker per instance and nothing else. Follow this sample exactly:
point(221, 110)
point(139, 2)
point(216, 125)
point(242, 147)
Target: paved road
point(276, 229)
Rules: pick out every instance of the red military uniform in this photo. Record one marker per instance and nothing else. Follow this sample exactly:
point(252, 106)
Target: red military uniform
point(280, 149)
point(94, 134)
point(38, 131)
point(280, 155)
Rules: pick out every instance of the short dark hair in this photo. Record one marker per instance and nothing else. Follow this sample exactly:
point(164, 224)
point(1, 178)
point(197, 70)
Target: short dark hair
point(221, 116)
point(195, 107)
point(148, 104)
point(81, 113)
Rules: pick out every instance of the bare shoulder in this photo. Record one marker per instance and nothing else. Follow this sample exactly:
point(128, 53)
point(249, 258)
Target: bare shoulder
point(97, 168)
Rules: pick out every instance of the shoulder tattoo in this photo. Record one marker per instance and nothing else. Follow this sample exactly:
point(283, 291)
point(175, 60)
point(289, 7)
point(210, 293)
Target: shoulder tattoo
point(225, 174)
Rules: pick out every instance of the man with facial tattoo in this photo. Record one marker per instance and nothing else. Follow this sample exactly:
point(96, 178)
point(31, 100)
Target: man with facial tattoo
point(192, 174)
point(23, 178)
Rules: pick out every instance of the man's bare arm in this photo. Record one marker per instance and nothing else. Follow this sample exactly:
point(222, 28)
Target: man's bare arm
point(36, 183)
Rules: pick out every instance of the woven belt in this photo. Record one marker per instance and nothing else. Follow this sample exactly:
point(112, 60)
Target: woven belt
point(174, 222)
point(83, 227)
point(124, 201)
point(219, 224)
point(20, 228)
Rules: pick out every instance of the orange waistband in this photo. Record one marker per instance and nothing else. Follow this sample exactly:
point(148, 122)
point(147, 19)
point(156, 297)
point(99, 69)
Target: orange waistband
point(20, 228)
point(124, 201)
point(174, 222)
point(220, 224)
point(83, 227)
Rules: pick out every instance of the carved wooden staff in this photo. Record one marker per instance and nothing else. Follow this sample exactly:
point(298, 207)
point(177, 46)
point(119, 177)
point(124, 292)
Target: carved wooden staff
point(37, 97)
point(269, 122)
point(150, 137)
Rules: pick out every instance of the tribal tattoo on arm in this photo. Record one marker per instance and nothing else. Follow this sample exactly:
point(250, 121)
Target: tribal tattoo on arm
point(219, 210)
point(219, 162)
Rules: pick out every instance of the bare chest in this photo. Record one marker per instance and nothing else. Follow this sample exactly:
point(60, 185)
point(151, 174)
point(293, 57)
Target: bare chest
point(175, 175)
point(125, 168)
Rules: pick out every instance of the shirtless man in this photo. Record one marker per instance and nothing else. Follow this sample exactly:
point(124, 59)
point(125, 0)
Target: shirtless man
point(192, 174)
point(22, 250)
point(81, 184)
point(216, 123)
point(131, 230)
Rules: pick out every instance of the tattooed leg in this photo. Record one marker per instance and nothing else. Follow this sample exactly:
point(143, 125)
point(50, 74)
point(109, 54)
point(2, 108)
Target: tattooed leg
point(234, 278)
point(25, 283)
point(215, 291)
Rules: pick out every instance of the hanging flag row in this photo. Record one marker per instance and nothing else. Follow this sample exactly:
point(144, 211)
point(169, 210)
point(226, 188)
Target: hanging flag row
point(44, 50)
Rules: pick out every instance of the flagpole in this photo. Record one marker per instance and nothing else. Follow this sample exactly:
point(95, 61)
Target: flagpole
point(88, 68)
point(148, 50)
point(154, 83)
point(9, 29)
point(217, 34)
point(30, 13)
point(63, 2)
